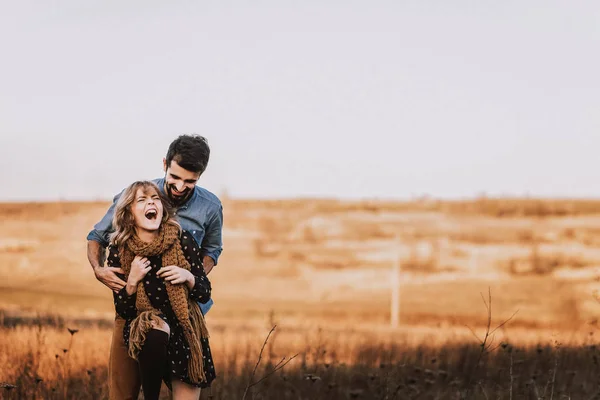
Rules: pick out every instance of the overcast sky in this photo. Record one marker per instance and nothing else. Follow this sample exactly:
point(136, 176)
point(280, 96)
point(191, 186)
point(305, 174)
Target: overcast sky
point(341, 99)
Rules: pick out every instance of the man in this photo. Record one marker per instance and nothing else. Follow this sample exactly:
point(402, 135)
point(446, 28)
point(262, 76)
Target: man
point(198, 211)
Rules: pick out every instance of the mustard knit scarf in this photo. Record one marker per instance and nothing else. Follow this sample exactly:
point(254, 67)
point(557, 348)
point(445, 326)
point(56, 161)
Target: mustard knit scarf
point(187, 312)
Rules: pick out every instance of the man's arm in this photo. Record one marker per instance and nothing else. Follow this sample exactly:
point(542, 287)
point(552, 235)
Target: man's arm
point(106, 275)
point(97, 243)
point(208, 263)
point(212, 244)
point(95, 254)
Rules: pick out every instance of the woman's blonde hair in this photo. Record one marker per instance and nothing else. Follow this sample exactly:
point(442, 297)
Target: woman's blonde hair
point(123, 221)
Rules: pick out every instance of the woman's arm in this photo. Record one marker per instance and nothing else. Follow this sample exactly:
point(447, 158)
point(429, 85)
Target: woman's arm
point(195, 279)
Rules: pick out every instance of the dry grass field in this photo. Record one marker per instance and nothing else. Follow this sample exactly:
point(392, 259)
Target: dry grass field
point(321, 270)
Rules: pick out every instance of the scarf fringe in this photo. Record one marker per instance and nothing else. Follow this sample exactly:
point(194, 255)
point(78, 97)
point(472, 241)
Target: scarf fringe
point(197, 320)
point(193, 332)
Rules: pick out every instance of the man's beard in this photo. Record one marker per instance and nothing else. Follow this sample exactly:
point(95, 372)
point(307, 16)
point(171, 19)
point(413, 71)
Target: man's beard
point(178, 200)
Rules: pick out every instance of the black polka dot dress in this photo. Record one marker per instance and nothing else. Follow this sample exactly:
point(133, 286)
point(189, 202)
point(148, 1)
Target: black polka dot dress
point(178, 351)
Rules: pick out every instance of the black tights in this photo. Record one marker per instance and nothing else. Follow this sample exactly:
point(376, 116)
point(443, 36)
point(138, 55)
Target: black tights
point(152, 360)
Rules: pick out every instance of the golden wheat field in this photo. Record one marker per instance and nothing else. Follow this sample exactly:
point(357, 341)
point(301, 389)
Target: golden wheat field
point(321, 272)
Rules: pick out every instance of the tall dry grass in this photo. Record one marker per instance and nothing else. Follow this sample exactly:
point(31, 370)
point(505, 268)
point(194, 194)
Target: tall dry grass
point(51, 362)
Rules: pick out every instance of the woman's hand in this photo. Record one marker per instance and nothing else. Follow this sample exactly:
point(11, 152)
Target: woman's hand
point(176, 275)
point(140, 266)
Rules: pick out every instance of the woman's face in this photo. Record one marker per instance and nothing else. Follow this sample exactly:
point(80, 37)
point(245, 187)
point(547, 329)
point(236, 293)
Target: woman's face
point(147, 209)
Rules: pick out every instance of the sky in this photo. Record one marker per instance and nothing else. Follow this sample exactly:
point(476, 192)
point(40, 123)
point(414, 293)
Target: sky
point(337, 99)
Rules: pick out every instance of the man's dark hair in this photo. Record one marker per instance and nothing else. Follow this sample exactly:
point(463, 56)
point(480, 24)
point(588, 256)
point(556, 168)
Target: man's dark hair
point(191, 152)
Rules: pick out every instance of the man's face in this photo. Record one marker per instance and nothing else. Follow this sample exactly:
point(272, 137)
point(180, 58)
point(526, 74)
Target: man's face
point(179, 182)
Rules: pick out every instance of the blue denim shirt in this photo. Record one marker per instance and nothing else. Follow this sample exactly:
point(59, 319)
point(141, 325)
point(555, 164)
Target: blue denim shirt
point(201, 215)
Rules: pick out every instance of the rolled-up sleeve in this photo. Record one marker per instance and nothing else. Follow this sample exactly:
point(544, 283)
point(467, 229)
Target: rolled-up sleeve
point(103, 228)
point(212, 243)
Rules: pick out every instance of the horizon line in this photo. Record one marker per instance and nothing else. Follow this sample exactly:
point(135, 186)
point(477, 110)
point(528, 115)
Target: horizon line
point(377, 199)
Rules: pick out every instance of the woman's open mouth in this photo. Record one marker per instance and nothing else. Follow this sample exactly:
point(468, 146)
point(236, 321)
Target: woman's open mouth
point(151, 214)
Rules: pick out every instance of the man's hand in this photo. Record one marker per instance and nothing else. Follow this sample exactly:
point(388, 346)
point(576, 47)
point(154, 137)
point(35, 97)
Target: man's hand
point(107, 275)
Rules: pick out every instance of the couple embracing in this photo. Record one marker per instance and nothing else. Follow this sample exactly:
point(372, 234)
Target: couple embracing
point(161, 239)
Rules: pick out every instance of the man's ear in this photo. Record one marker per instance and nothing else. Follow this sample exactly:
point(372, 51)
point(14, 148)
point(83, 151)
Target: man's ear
point(165, 165)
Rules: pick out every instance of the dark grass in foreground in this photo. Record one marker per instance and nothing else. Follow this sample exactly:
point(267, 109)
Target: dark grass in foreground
point(381, 372)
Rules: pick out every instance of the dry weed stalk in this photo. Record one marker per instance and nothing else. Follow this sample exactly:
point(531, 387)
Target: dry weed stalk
point(557, 345)
point(65, 362)
point(483, 391)
point(512, 379)
point(488, 340)
point(282, 363)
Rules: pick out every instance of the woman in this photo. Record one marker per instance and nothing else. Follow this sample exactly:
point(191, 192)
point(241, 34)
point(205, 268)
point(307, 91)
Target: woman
point(164, 330)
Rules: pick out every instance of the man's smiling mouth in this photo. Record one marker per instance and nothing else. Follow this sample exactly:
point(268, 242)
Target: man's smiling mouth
point(177, 192)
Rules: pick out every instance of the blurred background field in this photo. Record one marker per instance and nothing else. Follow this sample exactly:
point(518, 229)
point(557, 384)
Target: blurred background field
point(317, 260)
point(321, 270)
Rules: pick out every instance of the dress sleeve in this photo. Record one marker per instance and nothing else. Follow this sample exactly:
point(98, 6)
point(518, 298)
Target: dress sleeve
point(201, 290)
point(124, 303)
